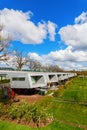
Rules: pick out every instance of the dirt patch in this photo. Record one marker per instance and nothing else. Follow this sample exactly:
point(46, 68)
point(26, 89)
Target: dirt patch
point(29, 98)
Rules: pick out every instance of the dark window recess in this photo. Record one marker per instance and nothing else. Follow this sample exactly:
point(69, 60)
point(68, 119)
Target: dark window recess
point(51, 76)
point(18, 78)
point(59, 75)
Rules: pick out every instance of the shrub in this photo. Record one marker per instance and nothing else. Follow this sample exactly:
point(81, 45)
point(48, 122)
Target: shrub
point(29, 113)
point(18, 111)
point(3, 109)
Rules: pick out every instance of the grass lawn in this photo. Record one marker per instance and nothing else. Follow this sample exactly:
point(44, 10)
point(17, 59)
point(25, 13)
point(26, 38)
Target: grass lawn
point(54, 126)
point(67, 115)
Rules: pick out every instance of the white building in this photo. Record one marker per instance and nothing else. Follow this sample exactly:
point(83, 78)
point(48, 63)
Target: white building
point(29, 80)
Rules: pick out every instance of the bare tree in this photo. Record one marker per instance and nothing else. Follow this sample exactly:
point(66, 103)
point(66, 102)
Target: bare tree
point(4, 45)
point(52, 68)
point(34, 65)
point(55, 68)
point(20, 60)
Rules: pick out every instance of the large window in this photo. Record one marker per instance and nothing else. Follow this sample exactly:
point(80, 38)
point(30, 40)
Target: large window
point(18, 78)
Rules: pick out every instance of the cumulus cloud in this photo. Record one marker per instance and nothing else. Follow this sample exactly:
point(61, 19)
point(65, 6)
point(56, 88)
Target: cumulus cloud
point(21, 28)
point(51, 30)
point(66, 58)
point(35, 56)
point(75, 35)
point(62, 55)
point(81, 19)
point(69, 55)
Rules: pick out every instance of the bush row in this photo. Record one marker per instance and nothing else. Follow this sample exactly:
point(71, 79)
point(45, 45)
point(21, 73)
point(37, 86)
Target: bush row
point(27, 113)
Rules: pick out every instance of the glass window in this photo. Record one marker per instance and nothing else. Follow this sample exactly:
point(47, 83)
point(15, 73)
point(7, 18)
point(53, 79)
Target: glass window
point(18, 78)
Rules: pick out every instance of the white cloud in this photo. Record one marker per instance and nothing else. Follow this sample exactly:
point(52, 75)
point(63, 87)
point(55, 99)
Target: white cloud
point(81, 19)
point(51, 30)
point(35, 56)
point(75, 35)
point(43, 59)
point(21, 28)
point(66, 58)
point(69, 55)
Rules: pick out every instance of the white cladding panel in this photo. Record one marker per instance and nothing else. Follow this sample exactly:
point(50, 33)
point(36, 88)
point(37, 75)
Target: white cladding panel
point(51, 77)
point(22, 79)
point(18, 79)
point(37, 80)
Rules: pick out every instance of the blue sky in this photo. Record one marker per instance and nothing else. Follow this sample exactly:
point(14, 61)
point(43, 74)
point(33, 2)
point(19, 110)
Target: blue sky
point(54, 35)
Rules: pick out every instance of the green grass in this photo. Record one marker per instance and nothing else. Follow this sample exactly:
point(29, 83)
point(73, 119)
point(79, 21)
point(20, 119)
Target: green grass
point(54, 126)
point(76, 90)
point(74, 113)
point(67, 115)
